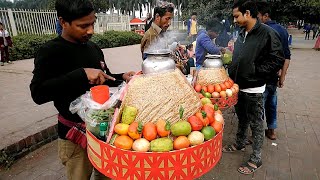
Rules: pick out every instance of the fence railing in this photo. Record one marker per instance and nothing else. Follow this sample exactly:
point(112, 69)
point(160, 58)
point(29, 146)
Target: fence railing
point(19, 21)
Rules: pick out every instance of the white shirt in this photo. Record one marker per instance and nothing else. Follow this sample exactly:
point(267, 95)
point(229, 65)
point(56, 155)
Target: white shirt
point(254, 90)
point(4, 34)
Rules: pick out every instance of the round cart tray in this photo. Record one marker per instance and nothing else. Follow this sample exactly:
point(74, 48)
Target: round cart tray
point(187, 163)
point(225, 103)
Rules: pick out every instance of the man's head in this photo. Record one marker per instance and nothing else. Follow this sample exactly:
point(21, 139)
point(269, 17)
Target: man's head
point(1, 26)
point(163, 15)
point(264, 11)
point(214, 27)
point(77, 18)
point(194, 16)
point(149, 16)
point(244, 12)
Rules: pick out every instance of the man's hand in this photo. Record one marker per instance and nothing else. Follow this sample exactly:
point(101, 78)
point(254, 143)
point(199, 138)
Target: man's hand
point(281, 81)
point(97, 76)
point(223, 50)
point(2, 46)
point(128, 75)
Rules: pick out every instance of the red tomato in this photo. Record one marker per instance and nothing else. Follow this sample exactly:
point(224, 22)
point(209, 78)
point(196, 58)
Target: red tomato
point(217, 126)
point(196, 123)
point(201, 96)
point(203, 117)
point(204, 88)
point(150, 131)
point(210, 88)
point(217, 88)
point(227, 84)
point(223, 87)
point(231, 81)
point(197, 87)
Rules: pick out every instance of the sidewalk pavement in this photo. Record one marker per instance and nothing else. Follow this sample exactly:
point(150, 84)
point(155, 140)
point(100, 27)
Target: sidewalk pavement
point(299, 126)
point(25, 126)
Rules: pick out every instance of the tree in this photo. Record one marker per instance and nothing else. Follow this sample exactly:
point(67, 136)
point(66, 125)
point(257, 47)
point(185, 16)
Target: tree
point(207, 9)
point(6, 4)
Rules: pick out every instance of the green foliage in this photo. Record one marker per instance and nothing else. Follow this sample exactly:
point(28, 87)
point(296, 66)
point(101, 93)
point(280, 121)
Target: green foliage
point(207, 9)
point(282, 10)
point(25, 46)
point(116, 38)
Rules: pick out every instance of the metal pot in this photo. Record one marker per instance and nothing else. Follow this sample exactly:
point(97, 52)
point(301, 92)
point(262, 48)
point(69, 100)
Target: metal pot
point(158, 61)
point(213, 61)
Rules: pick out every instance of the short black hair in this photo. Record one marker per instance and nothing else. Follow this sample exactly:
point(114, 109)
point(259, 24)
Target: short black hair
point(189, 46)
point(71, 10)
point(214, 25)
point(1, 23)
point(263, 8)
point(162, 11)
point(243, 6)
point(194, 14)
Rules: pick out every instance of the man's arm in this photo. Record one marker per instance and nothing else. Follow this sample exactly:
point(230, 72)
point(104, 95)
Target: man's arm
point(274, 60)
point(209, 46)
point(46, 87)
point(283, 73)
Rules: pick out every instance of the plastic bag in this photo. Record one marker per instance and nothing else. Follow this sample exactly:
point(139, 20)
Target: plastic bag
point(93, 113)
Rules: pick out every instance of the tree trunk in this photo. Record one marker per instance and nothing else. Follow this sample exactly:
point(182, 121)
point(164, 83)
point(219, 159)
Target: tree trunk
point(110, 7)
point(178, 14)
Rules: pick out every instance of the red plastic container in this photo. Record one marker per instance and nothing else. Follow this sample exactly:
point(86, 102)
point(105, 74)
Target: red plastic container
point(226, 102)
point(183, 164)
point(100, 93)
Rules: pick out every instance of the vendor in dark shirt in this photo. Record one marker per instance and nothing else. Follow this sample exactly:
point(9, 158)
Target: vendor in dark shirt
point(64, 69)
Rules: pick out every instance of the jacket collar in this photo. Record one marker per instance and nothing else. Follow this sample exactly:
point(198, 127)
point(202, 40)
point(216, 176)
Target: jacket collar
point(256, 26)
point(156, 28)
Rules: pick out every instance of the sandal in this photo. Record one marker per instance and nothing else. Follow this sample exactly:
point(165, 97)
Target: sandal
point(232, 148)
point(248, 169)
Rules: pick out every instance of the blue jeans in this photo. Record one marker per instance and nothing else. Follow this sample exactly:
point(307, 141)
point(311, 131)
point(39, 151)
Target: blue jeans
point(270, 106)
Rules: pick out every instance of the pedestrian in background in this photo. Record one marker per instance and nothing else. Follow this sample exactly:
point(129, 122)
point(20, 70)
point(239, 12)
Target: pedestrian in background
point(5, 43)
point(148, 22)
point(307, 30)
point(315, 28)
point(277, 80)
point(192, 27)
point(257, 55)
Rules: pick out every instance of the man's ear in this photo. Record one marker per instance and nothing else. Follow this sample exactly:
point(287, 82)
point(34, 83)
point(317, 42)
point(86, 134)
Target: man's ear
point(63, 22)
point(247, 13)
point(157, 17)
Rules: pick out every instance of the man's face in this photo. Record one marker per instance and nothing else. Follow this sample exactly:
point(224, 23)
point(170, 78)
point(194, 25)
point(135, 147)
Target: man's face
point(165, 21)
point(194, 17)
point(239, 18)
point(263, 18)
point(212, 34)
point(80, 30)
point(1, 27)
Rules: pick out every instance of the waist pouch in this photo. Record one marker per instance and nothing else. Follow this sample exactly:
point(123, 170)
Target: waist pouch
point(77, 133)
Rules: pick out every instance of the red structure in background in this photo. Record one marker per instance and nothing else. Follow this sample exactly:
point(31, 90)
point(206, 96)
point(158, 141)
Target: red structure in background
point(138, 25)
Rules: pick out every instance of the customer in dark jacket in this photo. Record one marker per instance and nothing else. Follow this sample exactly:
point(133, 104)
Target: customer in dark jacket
point(257, 55)
point(204, 41)
point(277, 80)
point(64, 69)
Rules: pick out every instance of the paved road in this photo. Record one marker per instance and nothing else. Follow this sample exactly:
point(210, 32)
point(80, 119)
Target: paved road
point(295, 154)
